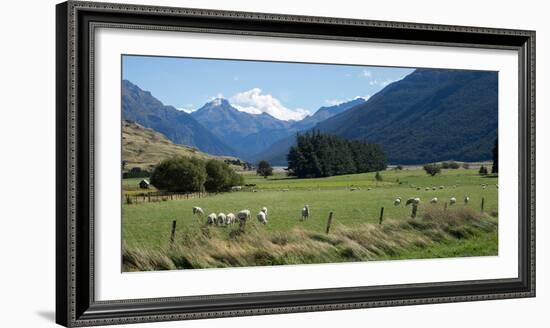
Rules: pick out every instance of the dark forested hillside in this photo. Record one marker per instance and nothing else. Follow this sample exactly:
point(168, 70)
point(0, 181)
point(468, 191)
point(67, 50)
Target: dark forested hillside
point(430, 115)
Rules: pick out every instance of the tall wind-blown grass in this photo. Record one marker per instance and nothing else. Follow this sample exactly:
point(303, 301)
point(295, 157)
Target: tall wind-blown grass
point(439, 233)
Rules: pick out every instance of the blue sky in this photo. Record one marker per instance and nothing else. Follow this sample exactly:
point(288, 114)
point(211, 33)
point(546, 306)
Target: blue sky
point(284, 90)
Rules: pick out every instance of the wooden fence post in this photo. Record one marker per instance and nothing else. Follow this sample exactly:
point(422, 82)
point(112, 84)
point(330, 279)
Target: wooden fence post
point(482, 204)
point(413, 212)
point(173, 234)
point(381, 216)
point(149, 197)
point(329, 222)
point(445, 205)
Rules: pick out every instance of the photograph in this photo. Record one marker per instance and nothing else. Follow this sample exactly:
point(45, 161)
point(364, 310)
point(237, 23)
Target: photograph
point(239, 163)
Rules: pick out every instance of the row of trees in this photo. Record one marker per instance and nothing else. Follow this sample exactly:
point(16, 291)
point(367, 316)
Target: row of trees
point(323, 155)
point(181, 174)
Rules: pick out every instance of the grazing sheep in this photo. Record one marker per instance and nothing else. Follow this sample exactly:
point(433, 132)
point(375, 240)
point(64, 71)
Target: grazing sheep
point(427, 188)
point(434, 188)
point(305, 212)
point(211, 219)
point(262, 217)
point(441, 187)
point(264, 209)
point(230, 218)
point(243, 215)
point(352, 189)
point(285, 190)
point(466, 200)
point(397, 201)
point(452, 201)
point(369, 188)
point(222, 219)
point(417, 188)
point(236, 188)
point(198, 211)
point(433, 200)
point(413, 200)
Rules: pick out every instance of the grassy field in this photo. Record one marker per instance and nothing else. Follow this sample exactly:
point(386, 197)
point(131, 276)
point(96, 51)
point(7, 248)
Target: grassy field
point(146, 227)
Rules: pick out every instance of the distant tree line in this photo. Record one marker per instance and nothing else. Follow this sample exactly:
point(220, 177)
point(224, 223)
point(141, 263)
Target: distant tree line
point(136, 172)
point(323, 155)
point(180, 174)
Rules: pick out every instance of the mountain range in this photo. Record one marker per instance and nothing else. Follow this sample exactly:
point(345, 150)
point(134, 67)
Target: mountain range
point(430, 115)
point(179, 127)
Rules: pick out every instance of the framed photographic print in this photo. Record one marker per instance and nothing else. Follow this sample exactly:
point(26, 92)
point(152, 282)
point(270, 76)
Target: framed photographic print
point(214, 163)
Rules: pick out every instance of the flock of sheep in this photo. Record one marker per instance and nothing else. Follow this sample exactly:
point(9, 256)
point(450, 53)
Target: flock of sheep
point(221, 219)
point(416, 201)
point(452, 200)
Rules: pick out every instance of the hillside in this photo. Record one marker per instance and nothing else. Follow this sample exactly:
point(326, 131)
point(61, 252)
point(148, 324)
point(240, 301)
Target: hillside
point(179, 127)
point(144, 148)
point(431, 115)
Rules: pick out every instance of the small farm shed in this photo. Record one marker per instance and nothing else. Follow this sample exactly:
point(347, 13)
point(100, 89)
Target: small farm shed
point(144, 184)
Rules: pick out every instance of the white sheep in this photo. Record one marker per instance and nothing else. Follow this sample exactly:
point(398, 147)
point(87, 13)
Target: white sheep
point(466, 200)
point(413, 200)
point(452, 201)
point(243, 215)
point(433, 200)
point(397, 201)
point(198, 211)
point(230, 218)
point(305, 212)
point(434, 188)
point(264, 209)
point(221, 219)
point(441, 187)
point(212, 218)
point(262, 217)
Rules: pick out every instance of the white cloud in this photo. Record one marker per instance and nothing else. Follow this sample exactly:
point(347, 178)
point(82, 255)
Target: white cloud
point(217, 96)
point(254, 102)
point(188, 108)
point(334, 102)
point(366, 73)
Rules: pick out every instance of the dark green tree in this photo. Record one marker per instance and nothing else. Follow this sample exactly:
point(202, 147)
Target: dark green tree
point(432, 169)
point(378, 176)
point(483, 170)
point(323, 155)
point(179, 174)
point(264, 169)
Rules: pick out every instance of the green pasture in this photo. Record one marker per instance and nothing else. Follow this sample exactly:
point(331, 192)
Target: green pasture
point(148, 224)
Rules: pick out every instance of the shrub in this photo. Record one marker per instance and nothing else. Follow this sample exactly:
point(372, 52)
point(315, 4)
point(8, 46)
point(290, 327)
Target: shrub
point(466, 165)
point(136, 172)
point(450, 165)
point(179, 174)
point(220, 176)
point(432, 169)
point(378, 176)
point(264, 169)
point(483, 170)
